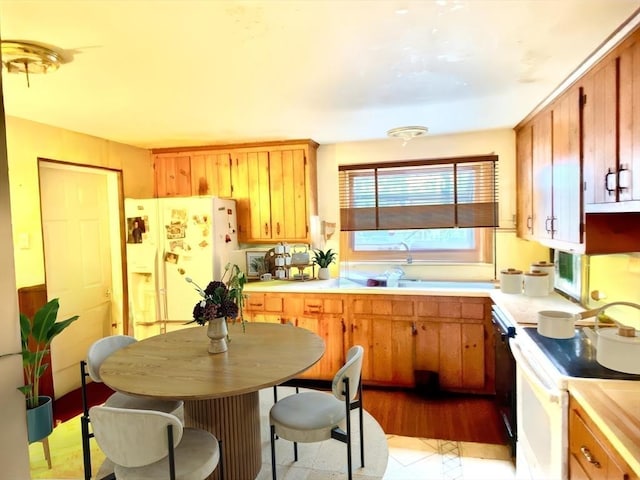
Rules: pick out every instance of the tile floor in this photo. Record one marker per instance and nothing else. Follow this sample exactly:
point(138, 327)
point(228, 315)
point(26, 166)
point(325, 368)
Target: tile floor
point(402, 458)
point(421, 458)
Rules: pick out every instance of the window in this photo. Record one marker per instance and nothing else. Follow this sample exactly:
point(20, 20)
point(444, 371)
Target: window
point(435, 209)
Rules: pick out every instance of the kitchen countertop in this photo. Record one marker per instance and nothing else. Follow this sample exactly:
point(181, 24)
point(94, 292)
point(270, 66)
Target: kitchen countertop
point(343, 285)
point(613, 405)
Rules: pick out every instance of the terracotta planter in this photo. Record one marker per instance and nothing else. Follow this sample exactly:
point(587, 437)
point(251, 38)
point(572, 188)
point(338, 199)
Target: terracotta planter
point(40, 419)
point(217, 332)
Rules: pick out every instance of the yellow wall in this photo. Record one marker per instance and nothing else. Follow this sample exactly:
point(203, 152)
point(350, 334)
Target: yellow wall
point(618, 277)
point(26, 142)
point(512, 252)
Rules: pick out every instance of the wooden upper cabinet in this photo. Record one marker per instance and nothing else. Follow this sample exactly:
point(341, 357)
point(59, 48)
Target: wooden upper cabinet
point(599, 133)
point(611, 131)
point(172, 175)
point(549, 174)
point(276, 193)
point(542, 175)
point(629, 134)
point(211, 174)
point(288, 182)
point(566, 171)
point(273, 183)
point(524, 182)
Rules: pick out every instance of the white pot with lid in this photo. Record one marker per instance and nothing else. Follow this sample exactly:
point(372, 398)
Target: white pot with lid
point(616, 348)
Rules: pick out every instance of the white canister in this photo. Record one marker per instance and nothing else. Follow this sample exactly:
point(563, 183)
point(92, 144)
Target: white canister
point(549, 268)
point(511, 281)
point(536, 283)
point(278, 249)
point(279, 261)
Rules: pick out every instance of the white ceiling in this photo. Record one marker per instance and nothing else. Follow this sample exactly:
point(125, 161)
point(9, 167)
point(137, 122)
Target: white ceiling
point(157, 73)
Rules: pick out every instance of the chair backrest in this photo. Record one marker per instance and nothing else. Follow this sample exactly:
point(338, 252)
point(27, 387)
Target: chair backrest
point(351, 370)
point(101, 349)
point(131, 437)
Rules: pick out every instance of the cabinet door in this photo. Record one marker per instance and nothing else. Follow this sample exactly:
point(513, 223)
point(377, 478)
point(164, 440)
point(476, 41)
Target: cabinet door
point(287, 169)
point(524, 190)
point(566, 181)
point(211, 174)
point(252, 192)
point(599, 134)
point(172, 175)
point(542, 175)
point(362, 334)
point(330, 328)
point(456, 351)
point(384, 327)
point(629, 135)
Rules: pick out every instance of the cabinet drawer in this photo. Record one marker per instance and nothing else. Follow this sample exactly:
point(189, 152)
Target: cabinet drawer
point(254, 301)
point(587, 449)
point(263, 302)
point(322, 305)
point(272, 304)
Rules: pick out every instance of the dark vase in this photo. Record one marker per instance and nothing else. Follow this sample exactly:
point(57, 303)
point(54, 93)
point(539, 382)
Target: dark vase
point(40, 419)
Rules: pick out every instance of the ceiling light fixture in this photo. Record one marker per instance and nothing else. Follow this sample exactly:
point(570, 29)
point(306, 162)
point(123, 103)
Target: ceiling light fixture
point(27, 58)
point(407, 133)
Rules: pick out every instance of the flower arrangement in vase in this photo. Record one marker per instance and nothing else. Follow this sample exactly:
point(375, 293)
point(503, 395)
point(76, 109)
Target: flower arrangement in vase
point(222, 300)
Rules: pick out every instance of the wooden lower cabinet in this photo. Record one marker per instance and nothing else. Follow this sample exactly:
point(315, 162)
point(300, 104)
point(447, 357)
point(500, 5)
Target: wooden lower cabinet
point(450, 336)
point(455, 350)
point(383, 325)
point(591, 456)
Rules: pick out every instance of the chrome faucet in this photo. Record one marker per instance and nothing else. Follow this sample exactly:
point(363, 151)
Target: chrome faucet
point(409, 257)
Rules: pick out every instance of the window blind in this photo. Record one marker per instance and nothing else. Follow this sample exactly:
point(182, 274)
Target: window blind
point(442, 193)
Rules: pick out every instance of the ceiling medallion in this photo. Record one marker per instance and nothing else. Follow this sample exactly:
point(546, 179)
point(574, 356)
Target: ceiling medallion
point(27, 58)
point(407, 133)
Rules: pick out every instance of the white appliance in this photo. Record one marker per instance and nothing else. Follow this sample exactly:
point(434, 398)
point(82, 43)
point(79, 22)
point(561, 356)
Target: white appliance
point(181, 237)
point(542, 412)
point(544, 367)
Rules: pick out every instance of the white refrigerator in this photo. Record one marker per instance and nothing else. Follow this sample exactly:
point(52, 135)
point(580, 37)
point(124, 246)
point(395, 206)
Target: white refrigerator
point(169, 239)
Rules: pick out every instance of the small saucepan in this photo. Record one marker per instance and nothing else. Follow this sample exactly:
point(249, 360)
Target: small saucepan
point(559, 324)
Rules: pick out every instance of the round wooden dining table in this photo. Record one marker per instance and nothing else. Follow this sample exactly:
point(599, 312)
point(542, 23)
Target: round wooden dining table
point(220, 391)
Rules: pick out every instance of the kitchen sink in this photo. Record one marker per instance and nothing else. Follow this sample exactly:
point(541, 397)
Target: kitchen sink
point(419, 284)
point(449, 284)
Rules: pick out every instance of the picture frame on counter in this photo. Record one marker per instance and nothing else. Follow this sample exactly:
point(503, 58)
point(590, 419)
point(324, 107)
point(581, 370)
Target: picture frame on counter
point(255, 258)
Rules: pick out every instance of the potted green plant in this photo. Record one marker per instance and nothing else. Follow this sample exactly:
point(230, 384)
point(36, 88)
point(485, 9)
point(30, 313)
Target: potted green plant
point(323, 260)
point(36, 336)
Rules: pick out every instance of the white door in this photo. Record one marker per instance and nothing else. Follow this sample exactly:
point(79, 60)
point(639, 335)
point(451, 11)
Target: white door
point(75, 222)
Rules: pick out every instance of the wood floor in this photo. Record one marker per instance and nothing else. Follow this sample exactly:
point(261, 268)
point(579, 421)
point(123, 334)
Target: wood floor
point(467, 418)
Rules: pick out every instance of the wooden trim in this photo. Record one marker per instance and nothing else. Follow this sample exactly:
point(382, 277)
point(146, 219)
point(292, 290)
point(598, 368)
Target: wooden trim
point(234, 146)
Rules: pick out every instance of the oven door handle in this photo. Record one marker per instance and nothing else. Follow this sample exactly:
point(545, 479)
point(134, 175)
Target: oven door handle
point(551, 393)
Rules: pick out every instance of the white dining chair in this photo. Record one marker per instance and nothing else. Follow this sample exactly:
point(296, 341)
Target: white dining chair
point(98, 352)
point(153, 445)
point(312, 416)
